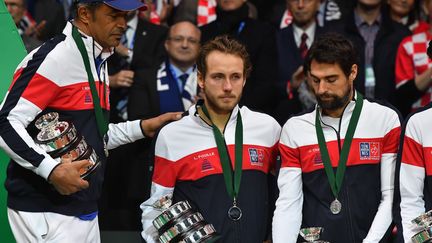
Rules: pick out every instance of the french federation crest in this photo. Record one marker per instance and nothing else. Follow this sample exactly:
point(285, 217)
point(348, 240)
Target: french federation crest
point(256, 156)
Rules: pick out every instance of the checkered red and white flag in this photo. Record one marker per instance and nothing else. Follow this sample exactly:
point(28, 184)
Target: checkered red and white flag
point(206, 11)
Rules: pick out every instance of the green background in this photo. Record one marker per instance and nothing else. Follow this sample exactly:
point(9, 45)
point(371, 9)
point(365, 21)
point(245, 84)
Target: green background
point(11, 54)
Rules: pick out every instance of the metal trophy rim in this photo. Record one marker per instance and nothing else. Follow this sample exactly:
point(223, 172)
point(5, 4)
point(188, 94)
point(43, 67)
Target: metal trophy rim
point(423, 236)
point(203, 233)
point(181, 227)
point(175, 210)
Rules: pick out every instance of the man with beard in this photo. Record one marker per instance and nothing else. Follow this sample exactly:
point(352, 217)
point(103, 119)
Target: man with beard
point(218, 157)
point(338, 159)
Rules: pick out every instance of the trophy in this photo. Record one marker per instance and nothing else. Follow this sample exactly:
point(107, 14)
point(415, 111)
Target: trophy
point(312, 234)
point(181, 224)
point(61, 140)
point(424, 221)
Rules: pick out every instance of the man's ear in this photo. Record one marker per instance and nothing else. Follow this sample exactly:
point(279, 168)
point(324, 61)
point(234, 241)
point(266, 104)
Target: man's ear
point(353, 74)
point(84, 14)
point(200, 79)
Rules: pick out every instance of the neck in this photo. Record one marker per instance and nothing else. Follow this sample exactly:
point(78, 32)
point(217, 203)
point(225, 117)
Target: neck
point(82, 27)
point(369, 14)
point(218, 119)
point(183, 66)
point(304, 26)
point(395, 17)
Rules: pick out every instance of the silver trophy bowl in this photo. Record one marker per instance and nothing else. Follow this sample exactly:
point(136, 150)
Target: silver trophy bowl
point(424, 221)
point(181, 223)
point(61, 140)
point(312, 234)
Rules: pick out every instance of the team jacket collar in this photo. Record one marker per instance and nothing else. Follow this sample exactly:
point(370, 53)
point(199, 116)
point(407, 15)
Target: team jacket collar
point(93, 48)
point(195, 116)
point(334, 122)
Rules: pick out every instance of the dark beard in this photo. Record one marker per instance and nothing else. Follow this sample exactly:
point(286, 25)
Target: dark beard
point(336, 102)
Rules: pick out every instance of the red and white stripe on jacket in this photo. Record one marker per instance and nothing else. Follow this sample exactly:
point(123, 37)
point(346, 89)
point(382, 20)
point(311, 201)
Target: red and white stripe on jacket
point(415, 170)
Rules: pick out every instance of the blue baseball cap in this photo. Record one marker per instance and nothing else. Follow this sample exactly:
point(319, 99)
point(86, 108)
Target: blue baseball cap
point(122, 5)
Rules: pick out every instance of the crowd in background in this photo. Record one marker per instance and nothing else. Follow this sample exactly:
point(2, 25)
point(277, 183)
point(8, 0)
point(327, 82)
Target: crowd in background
point(153, 69)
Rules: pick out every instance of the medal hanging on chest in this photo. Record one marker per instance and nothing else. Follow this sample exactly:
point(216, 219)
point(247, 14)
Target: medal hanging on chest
point(335, 181)
point(101, 121)
point(232, 184)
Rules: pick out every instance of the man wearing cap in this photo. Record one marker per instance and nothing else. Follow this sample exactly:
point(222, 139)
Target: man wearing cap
point(48, 201)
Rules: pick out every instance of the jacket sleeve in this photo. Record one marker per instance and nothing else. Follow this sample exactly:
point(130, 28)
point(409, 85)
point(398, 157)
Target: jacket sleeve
point(411, 182)
point(25, 99)
point(290, 202)
point(163, 183)
point(123, 133)
point(383, 217)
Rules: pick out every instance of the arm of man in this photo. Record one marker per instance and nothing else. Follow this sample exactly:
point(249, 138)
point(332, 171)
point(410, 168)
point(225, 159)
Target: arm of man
point(163, 183)
point(130, 131)
point(412, 179)
point(26, 98)
point(383, 217)
point(290, 202)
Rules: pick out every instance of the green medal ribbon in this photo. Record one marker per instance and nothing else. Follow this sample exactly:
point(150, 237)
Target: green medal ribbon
point(102, 122)
point(232, 188)
point(336, 181)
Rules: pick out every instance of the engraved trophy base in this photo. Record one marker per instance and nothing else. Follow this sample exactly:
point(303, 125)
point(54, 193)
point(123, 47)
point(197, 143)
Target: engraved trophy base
point(424, 236)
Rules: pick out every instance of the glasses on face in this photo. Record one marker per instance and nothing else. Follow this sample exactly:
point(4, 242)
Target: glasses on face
point(181, 39)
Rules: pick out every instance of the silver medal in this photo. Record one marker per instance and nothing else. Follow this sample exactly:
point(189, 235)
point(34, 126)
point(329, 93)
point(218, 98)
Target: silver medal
point(335, 206)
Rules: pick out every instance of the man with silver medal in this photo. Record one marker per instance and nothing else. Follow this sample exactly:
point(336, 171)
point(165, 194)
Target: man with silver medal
point(338, 159)
point(219, 156)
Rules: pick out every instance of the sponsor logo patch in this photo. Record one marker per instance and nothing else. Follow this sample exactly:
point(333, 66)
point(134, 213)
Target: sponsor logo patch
point(369, 150)
point(256, 156)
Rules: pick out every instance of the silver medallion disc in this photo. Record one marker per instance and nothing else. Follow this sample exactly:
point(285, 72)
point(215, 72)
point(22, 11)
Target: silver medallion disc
point(335, 206)
point(234, 213)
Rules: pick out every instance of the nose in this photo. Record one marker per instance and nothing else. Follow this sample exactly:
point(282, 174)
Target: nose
point(227, 86)
point(184, 43)
point(322, 87)
point(301, 3)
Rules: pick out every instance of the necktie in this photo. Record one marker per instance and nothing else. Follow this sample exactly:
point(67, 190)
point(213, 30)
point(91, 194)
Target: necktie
point(183, 78)
point(303, 46)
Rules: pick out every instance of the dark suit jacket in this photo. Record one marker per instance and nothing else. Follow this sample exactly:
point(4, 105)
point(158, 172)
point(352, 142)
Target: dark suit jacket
point(259, 38)
point(387, 41)
point(149, 52)
point(288, 62)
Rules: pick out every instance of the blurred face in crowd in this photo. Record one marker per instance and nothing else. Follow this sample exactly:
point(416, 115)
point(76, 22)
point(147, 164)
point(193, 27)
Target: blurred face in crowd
point(229, 5)
point(105, 24)
point(303, 11)
point(370, 4)
point(16, 9)
point(223, 82)
point(400, 8)
point(332, 88)
point(183, 44)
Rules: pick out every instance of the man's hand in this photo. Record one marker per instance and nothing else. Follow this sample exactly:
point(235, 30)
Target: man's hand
point(297, 78)
point(122, 50)
point(66, 176)
point(122, 79)
point(150, 126)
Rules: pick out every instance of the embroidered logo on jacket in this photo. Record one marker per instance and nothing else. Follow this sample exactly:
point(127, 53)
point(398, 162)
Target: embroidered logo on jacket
point(369, 150)
point(256, 156)
point(206, 166)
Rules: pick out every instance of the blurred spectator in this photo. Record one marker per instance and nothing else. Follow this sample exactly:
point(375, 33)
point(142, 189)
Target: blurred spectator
point(328, 11)
point(141, 49)
point(259, 38)
point(293, 43)
point(17, 9)
point(376, 38)
point(407, 12)
point(49, 12)
point(172, 86)
point(414, 70)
